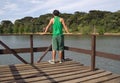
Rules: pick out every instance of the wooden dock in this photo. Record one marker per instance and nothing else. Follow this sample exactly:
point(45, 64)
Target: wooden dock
point(67, 72)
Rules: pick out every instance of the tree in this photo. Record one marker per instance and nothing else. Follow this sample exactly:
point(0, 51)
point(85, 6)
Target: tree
point(6, 26)
point(101, 21)
point(1, 31)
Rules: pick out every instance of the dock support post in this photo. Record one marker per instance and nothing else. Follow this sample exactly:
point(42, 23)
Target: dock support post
point(93, 52)
point(31, 49)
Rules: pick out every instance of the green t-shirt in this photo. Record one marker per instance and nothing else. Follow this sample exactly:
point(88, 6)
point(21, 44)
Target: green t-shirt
point(57, 26)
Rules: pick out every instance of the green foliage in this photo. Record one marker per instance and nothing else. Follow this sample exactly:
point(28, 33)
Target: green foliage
point(86, 30)
point(6, 26)
point(1, 31)
point(102, 21)
point(101, 30)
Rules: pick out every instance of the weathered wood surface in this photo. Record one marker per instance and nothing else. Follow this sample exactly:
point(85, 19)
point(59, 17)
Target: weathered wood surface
point(67, 72)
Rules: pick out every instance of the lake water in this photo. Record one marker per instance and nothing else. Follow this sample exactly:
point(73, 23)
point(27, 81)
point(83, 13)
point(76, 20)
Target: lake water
point(109, 44)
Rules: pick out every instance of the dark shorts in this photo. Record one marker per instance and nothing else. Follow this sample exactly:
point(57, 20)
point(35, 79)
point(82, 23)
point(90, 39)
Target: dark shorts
point(58, 43)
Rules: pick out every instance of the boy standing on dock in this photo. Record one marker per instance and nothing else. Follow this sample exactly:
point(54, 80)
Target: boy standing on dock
point(57, 38)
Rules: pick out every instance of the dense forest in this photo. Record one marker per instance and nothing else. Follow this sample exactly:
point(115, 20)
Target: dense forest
point(80, 22)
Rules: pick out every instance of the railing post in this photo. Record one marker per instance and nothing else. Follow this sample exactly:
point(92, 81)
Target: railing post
point(63, 52)
point(93, 52)
point(63, 55)
point(31, 49)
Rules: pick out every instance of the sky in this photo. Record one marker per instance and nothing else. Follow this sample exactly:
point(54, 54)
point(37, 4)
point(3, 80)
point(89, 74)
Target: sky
point(17, 9)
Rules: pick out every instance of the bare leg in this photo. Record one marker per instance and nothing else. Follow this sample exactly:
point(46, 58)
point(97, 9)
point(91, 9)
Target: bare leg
point(60, 55)
point(53, 55)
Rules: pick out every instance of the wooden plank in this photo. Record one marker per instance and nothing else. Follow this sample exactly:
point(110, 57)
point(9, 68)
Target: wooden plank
point(55, 69)
point(13, 52)
point(67, 72)
point(46, 76)
point(20, 69)
point(45, 70)
point(93, 52)
point(23, 65)
point(42, 64)
point(69, 66)
point(79, 50)
point(69, 77)
point(108, 55)
point(65, 66)
point(75, 34)
point(31, 49)
point(23, 50)
point(92, 76)
point(46, 51)
point(102, 79)
point(43, 73)
point(115, 80)
point(39, 66)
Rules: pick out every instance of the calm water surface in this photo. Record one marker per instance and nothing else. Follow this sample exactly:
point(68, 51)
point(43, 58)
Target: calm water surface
point(110, 44)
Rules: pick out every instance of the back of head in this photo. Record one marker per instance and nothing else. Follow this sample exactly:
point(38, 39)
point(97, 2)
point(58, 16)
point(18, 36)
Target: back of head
point(56, 12)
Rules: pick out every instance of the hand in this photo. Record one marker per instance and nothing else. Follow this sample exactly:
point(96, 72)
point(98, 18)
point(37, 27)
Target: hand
point(42, 33)
point(68, 33)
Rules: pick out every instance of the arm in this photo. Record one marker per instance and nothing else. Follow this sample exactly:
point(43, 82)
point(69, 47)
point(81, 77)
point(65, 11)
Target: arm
point(64, 25)
point(49, 24)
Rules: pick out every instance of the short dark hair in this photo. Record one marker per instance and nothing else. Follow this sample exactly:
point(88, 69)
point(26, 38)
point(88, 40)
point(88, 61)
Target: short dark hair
point(56, 12)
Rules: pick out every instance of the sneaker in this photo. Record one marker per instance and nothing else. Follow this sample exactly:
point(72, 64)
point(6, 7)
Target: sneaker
point(61, 61)
point(51, 62)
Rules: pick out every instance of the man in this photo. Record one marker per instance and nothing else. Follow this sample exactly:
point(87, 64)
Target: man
point(57, 38)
